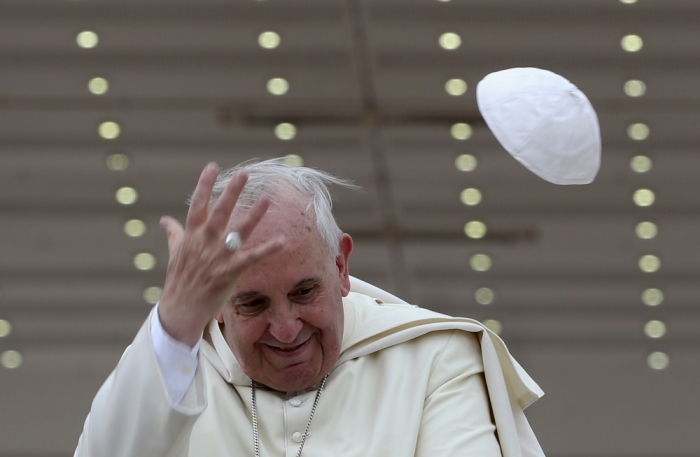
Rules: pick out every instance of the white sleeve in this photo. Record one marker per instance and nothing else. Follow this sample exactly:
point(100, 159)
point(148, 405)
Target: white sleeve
point(177, 361)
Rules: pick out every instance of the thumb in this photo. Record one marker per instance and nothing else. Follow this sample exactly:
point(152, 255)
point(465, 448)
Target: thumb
point(174, 232)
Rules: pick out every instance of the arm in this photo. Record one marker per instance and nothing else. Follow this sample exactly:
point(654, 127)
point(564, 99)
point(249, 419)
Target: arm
point(456, 414)
point(132, 413)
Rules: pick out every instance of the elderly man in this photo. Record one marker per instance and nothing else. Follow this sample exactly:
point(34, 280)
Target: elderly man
point(263, 345)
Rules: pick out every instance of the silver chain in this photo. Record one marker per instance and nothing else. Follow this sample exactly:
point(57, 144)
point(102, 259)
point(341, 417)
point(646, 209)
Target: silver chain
point(254, 411)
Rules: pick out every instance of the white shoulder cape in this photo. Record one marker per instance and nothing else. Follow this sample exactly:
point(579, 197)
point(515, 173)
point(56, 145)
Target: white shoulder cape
point(374, 323)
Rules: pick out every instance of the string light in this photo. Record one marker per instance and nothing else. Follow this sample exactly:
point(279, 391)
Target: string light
point(134, 227)
point(278, 86)
point(480, 262)
point(649, 263)
point(461, 131)
point(658, 360)
point(98, 86)
point(152, 294)
point(644, 197)
point(470, 196)
point(127, 195)
point(635, 88)
point(109, 130)
point(285, 131)
point(293, 160)
point(475, 229)
point(11, 359)
point(456, 87)
point(652, 297)
point(144, 261)
point(484, 296)
point(632, 43)
point(449, 41)
point(655, 329)
point(641, 164)
point(87, 39)
point(638, 131)
point(466, 162)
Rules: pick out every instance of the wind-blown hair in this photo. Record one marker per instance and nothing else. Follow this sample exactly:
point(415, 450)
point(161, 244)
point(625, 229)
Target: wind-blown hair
point(273, 176)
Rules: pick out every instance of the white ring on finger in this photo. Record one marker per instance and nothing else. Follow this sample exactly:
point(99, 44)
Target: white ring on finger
point(232, 241)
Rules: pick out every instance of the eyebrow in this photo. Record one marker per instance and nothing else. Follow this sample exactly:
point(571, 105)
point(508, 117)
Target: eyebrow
point(254, 293)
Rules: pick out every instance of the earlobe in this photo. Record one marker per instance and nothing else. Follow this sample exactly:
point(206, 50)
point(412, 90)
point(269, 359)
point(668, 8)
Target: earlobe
point(341, 262)
point(219, 317)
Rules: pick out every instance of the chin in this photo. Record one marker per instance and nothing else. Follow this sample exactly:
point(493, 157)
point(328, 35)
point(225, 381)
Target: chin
point(296, 379)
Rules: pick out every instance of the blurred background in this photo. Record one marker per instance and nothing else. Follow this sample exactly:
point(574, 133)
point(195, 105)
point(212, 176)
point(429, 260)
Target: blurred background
point(110, 109)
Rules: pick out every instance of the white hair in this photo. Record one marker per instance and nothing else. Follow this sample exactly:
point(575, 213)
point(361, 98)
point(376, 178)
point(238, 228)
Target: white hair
point(274, 176)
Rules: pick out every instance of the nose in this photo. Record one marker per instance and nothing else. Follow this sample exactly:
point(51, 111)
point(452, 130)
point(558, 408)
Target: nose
point(285, 323)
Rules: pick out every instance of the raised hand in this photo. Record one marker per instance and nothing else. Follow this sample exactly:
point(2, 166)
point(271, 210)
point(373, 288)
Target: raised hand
point(201, 271)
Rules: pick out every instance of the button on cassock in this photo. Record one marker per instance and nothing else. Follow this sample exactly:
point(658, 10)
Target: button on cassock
point(296, 437)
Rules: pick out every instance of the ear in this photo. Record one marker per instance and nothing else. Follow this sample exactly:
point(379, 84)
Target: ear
point(341, 262)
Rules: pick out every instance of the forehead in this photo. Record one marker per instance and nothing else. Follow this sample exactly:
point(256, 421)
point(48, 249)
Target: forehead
point(287, 214)
point(303, 255)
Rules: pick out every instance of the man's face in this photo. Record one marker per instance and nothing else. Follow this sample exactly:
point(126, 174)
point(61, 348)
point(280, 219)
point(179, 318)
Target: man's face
point(284, 321)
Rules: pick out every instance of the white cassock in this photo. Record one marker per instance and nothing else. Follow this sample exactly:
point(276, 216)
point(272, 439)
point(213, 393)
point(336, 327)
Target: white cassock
point(409, 383)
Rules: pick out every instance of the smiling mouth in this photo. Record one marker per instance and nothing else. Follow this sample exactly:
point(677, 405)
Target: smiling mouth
point(290, 351)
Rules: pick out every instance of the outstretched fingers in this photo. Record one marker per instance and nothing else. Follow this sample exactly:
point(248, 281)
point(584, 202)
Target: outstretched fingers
point(252, 217)
point(199, 208)
point(223, 207)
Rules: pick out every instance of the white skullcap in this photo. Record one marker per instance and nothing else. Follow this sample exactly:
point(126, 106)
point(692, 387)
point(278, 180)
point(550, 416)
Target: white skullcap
point(544, 121)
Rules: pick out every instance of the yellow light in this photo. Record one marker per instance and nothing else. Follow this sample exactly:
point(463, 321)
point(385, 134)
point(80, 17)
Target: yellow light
point(285, 131)
point(87, 39)
point(644, 197)
point(135, 227)
point(117, 162)
point(277, 86)
point(269, 40)
point(449, 41)
point(632, 43)
point(475, 229)
point(658, 360)
point(493, 325)
point(480, 262)
point(647, 230)
point(98, 86)
point(144, 261)
point(649, 263)
point(127, 195)
point(5, 328)
point(294, 160)
point(484, 296)
point(11, 359)
point(152, 295)
point(635, 88)
point(470, 197)
point(638, 132)
point(652, 297)
point(461, 131)
point(109, 130)
point(466, 162)
point(655, 329)
point(641, 164)
point(456, 87)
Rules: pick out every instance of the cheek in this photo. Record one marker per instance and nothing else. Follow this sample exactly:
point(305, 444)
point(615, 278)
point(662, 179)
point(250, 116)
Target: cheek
point(243, 333)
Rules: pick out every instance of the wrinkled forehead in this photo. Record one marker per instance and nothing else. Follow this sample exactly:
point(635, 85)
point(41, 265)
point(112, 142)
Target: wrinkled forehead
point(289, 214)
